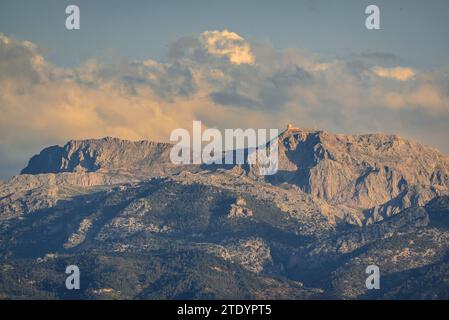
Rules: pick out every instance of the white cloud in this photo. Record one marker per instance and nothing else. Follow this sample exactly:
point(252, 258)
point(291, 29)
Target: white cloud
point(227, 44)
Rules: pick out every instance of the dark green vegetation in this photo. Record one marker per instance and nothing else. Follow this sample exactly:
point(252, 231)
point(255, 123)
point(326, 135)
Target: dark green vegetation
point(184, 274)
point(168, 266)
point(124, 262)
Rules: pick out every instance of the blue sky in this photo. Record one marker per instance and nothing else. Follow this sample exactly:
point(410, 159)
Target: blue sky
point(415, 31)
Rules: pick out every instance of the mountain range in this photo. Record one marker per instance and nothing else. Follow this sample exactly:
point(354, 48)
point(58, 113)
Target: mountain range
point(140, 227)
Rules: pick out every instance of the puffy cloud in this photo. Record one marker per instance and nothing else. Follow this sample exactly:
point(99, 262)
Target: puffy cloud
point(21, 61)
point(217, 77)
point(398, 73)
point(227, 44)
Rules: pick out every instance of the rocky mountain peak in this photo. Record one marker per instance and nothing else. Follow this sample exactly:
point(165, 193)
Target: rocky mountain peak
point(106, 154)
point(378, 172)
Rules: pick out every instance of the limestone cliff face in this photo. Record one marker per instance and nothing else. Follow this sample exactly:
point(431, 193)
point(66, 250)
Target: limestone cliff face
point(377, 173)
point(103, 155)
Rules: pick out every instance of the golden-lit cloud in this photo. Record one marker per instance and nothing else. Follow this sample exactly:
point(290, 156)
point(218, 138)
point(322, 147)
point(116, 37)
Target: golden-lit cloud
point(227, 44)
point(434, 98)
point(398, 73)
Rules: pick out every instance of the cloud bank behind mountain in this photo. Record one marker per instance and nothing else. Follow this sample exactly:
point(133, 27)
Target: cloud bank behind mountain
point(220, 78)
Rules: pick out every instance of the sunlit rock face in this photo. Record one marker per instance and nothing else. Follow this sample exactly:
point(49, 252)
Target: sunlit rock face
point(376, 173)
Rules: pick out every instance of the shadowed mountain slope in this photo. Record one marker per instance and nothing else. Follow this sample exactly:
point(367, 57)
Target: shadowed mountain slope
point(141, 227)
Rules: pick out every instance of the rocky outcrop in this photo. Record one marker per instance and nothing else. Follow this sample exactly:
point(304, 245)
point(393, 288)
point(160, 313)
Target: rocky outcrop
point(239, 210)
point(378, 174)
point(252, 254)
point(144, 158)
point(79, 236)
